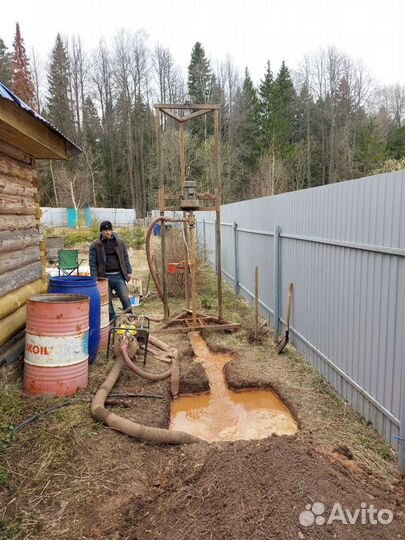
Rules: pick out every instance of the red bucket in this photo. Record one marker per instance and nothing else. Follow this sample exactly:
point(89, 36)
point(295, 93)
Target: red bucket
point(171, 268)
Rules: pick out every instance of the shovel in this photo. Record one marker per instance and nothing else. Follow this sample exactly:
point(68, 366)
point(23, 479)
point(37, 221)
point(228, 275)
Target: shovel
point(284, 341)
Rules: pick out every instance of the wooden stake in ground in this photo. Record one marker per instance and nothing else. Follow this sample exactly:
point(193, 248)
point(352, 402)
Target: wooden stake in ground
point(256, 301)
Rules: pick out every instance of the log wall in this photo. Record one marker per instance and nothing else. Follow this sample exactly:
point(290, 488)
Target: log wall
point(22, 251)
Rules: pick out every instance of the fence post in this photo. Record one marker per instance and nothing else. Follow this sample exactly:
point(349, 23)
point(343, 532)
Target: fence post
point(236, 256)
point(401, 440)
point(276, 281)
point(215, 246)
point(204, 241)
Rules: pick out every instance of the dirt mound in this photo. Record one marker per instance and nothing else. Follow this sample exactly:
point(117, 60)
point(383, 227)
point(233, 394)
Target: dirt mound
point(256, 490)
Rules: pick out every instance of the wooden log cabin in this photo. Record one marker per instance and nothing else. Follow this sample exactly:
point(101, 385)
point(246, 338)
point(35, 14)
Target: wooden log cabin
point(24, 137)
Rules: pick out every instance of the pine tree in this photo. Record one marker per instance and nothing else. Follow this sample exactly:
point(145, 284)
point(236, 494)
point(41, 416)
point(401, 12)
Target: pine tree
point(91, 122)
point(21, 79)
point(283, 111)
point(265, 107)
point(6, 59)
point(248, 132)
point(59, 104)
point(370, 150)
point(202, 88)
point(200, 78)
point(396, 143)
point(303, 132)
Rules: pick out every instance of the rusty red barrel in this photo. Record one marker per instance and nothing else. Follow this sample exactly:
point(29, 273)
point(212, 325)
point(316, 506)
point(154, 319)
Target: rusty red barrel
point(102, 284)
point(56, 344)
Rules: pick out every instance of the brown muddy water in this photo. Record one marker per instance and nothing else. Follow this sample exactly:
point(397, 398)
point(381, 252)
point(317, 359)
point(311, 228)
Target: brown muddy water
point(225, 415)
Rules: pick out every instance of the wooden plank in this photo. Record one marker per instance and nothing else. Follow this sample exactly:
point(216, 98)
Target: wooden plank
point(195, 114)
point(189, 106)
point(10, 281)
point(14, 186)
point(15, 153)
point(20, 129)
point(16, 240)
point(172, 115)
point(208, 327)
point(14, 300)
point(13, 169)
point(9, 326)
point(16, 259)
point(14, 223)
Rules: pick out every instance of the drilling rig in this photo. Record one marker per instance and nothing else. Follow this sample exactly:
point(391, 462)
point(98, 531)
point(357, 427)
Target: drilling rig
point(188, 201)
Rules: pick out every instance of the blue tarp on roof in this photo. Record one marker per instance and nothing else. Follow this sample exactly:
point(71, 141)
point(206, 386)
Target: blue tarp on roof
point(5, 93)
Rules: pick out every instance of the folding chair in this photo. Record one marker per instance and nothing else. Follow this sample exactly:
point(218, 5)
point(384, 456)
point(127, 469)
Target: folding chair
point(68, 261)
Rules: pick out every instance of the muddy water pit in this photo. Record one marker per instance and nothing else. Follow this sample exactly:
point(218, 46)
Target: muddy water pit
point(225, 415)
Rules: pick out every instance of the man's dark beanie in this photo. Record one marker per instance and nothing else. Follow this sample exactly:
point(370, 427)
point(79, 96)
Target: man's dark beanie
point(106, 226)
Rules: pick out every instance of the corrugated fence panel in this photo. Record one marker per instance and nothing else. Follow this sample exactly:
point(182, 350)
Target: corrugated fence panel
point(343, 248)
point(120, 217)
point(54, 217)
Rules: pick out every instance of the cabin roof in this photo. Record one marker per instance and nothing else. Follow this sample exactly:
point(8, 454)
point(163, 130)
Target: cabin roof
point(27, 130)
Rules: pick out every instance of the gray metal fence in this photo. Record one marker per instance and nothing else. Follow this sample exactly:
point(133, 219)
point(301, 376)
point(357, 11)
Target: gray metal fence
point(343, 248)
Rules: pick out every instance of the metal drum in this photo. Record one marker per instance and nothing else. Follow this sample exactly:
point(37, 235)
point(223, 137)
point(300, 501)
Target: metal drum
point(102, 284)
point(56, 344)
point(86, 286)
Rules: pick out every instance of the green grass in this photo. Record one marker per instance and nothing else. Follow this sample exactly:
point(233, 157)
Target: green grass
point(8, 529)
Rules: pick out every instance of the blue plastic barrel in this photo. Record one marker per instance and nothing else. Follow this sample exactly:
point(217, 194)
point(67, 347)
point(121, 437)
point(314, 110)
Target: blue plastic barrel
point(86, 286)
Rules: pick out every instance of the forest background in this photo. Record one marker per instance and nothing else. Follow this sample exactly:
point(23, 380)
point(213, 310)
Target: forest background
point(324, 122)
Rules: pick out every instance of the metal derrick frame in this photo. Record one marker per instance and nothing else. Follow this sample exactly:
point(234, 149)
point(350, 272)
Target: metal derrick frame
point(197, 321)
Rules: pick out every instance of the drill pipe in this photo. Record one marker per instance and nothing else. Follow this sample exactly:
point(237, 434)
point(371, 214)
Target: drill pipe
point(154, 274)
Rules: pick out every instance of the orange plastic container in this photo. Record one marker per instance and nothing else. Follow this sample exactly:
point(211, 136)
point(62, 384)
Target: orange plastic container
point(56, 344)
point(102, 284)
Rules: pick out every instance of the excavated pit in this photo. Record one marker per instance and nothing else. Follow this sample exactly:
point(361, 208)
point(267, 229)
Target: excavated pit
point(226, 415)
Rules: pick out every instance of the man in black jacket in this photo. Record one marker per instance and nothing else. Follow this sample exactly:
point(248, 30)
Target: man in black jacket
point(108, 257)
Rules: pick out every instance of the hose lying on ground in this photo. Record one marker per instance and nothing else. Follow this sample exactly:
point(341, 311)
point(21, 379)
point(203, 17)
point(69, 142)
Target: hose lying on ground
point(133, 429)
point(127, 346)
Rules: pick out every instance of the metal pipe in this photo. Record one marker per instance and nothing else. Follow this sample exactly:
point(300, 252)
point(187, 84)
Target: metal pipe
point(164, 266)
point(162, 213)
point(218, 253)
point(193, 268)
point(217, 133)
point(186, 257)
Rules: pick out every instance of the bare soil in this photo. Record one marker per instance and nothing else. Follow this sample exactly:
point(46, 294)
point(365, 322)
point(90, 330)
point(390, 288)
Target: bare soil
point(67, 477)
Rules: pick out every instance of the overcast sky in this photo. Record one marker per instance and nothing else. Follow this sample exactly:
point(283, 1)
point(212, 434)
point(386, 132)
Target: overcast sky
point(251, 31)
